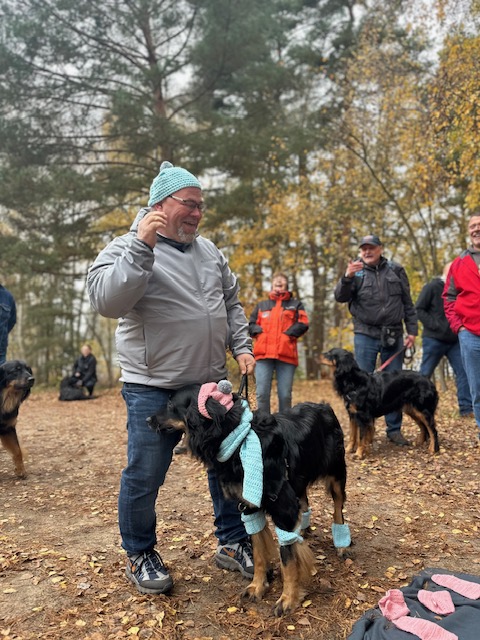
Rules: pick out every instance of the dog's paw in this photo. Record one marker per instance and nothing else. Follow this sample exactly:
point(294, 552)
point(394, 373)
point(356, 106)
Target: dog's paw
point(20, 472)
point(254, 592)
point(345, 553)
point(285, 605)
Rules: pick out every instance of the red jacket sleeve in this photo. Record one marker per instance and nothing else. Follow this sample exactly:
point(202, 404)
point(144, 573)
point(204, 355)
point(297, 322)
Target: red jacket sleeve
point(450, 294)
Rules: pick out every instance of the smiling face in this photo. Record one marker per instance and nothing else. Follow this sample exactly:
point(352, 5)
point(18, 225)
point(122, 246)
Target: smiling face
point(474, 231)
point(182, 220)
point(279, 284)
point(371, 254)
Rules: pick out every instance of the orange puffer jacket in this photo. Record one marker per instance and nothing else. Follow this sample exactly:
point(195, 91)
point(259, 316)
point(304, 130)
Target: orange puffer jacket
point(276, 324)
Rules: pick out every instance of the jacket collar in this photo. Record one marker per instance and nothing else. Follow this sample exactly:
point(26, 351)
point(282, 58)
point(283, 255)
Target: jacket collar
point(280, 295)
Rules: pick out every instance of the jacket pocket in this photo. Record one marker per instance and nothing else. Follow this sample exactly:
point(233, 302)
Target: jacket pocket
point(260, 344)
point(287, 347)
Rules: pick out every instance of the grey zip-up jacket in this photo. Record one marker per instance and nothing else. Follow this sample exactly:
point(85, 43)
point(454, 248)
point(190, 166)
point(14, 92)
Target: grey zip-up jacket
point(178, 310)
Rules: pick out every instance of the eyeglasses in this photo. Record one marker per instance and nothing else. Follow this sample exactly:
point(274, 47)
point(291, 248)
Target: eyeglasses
point(191, 204)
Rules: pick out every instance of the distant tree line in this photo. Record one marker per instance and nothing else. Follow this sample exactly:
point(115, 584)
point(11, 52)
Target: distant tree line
point(310, 123)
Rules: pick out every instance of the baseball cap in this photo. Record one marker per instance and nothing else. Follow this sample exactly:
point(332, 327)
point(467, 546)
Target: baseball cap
point(371, 239)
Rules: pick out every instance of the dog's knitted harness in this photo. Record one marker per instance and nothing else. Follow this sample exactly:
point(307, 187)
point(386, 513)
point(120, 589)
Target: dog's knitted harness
point(244, 436)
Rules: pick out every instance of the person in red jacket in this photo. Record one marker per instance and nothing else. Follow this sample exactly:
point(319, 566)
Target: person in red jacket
point(276, 324)
point(461, 297)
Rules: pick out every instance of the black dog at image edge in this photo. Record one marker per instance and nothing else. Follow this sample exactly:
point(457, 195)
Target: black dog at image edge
point(370, 395)
point(16, 382)
point(299, 446)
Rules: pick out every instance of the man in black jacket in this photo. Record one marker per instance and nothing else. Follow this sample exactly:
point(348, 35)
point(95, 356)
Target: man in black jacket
point(439, 340)
point(378, 295)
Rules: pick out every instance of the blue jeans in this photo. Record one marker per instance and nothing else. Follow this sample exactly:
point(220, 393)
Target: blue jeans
point(366, 352)
point(433, 351)
point(285, 372)
point(470, 349)
point(149, 455)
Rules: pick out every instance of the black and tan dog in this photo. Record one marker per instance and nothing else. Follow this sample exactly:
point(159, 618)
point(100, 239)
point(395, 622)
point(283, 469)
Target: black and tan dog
point(299, 446)
point(370, 395)
point(16, 381)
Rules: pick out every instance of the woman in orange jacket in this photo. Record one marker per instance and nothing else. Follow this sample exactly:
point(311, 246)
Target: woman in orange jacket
point(276, 324)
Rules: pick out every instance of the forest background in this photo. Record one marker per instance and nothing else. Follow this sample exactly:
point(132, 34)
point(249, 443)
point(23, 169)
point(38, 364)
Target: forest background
point(309, 123)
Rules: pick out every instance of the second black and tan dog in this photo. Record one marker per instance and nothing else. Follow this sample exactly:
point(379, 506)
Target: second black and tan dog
point(298, 446)
point(16, 382)
point(370, 395)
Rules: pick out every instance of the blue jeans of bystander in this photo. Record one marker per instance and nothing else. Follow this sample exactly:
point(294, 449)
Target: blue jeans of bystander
point(470, 348)
point(285, 373)
point(366, 352)
point(433, 351)
point(149, 455)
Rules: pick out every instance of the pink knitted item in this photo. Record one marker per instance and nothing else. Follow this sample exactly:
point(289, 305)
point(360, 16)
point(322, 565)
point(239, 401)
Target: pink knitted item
point(437, 601)
point(463, 587)
point(393, 605)
point(394, 608)
point(424, 629)
point(220, 392)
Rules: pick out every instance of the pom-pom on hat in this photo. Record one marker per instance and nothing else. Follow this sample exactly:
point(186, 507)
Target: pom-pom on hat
point(169, 180)
point(221, 392)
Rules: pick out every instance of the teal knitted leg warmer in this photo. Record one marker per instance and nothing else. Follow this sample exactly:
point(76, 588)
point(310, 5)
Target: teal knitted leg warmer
point(341, 535)
point(254, 522)
point(305, 519)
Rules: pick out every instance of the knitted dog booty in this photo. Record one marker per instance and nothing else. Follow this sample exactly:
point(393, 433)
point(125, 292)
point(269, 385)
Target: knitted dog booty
point(437, 601)
point(305, 523)
point(393, 605)
point(341, 535)
point(463, 587)
point(424, 629)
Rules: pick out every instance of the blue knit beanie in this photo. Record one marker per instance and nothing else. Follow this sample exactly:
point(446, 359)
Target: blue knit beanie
point(169, 180)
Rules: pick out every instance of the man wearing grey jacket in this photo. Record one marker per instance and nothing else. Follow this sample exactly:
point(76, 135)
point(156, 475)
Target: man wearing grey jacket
point(177, 303)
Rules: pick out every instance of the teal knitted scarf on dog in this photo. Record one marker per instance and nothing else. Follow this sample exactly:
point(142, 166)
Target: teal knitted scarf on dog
point(244, 436)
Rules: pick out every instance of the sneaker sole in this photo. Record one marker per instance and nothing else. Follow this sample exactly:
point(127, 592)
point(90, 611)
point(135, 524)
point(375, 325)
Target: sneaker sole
point(225, 562)
point(165, 588)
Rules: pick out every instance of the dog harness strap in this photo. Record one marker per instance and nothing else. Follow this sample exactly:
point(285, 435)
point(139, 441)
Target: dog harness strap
point(254, 522)
point(286, 538)
point(341, 535)
point(244, 437)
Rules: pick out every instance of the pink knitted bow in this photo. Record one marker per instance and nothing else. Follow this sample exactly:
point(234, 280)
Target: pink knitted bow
point(221, 392)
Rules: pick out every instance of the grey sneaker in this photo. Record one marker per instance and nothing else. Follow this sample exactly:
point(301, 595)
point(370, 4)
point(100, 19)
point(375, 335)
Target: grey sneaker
point(397, 438)
point(180, 448)
point(237, 556)
point(148, 573)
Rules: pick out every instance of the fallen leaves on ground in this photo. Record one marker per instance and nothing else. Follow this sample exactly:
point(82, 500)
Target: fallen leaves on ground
point(62, 567)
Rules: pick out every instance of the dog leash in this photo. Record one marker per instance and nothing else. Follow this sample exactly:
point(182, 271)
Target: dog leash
point(243, 386)
point(387, 362)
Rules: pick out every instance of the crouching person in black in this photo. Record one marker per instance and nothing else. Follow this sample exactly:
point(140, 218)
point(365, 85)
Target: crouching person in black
point(85, 369)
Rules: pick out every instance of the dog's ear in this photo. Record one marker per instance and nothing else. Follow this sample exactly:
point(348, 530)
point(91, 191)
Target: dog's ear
point(344, 363)
point(3, 377)
point(265, 420)
point(215, 409)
